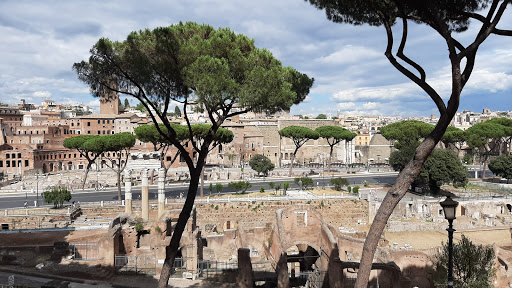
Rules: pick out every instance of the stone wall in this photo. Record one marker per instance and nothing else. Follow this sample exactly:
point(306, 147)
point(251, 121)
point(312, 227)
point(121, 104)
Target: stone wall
point(213, 218)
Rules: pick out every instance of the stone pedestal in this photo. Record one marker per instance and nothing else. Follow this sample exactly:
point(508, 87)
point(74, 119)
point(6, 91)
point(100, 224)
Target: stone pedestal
point(145, 195)
point(283, 281)
point(128, 191)
point(161, 192)
point(245, 277)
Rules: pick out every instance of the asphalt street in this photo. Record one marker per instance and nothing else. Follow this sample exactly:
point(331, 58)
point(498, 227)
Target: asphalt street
point(17, 199)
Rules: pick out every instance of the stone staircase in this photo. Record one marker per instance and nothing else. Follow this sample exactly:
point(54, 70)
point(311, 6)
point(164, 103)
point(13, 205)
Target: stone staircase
point(85, 220)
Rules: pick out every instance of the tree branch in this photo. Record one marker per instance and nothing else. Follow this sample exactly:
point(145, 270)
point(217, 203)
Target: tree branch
point(422, 84)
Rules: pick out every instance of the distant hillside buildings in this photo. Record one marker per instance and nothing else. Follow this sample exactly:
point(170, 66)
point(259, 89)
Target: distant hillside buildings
point(31, 136)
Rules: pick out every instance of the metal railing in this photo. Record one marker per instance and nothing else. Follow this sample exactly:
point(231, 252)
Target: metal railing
point(137, 264)
point(85, 251)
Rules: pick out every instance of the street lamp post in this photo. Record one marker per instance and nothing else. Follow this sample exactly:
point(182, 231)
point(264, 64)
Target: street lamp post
point(449, 209)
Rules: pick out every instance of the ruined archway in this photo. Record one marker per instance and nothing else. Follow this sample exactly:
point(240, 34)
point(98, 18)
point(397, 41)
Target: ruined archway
point(301, 226)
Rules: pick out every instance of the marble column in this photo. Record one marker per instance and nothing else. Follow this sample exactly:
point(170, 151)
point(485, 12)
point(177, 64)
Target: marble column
point(145, 195)
point(128, 191)
point(161, 192)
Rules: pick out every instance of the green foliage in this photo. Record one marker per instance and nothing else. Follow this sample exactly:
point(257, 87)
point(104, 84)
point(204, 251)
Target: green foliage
point(217, 207)
point(355, 190)
point(399, 158)
point(453, 136)
point(210, 187)
point(126, 104)
point(141, 107)
point(502, 166)
point(277, 187)
point(321, 116)
point(262, 189)
point(219, 187)
point(57, 196)
point(271, 185)
point(177, 111)
point(349, 189)
point(366, 183)
point(299, 135)
point(139, 227)
point(371, 12)
point(240, 186)
point(339, 182)
point(149, 133)
point(322, 204)
point(487, 135)
point(407, 133)
point(468, 159)
point(473, 265)
point(261, 164)
point(158, 229)
point(286, 186)
point(443, 167)
point(335, 134)
point(306, 182)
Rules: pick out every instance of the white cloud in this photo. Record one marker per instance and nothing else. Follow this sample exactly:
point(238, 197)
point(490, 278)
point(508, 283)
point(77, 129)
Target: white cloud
point(370, 105)
point(349, 54)
point(346, 105)
point(42, 94)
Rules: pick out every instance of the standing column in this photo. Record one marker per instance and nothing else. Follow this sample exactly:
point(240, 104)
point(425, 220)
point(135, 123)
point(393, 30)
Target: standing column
point(128, 191)
point(145, 195)
point(161, 192)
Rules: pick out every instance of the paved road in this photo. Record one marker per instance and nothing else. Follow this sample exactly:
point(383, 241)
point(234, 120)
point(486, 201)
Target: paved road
point(17, 199)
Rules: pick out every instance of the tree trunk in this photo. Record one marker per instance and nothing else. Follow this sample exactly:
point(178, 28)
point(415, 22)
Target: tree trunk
point(172, 249)
point(85, 176)
point(291, 164)
point(118, 185)
point(330, 158)
point(394, 195)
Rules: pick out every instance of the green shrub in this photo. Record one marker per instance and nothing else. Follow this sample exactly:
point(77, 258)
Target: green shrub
point(139, 227)
point(57, 196)
point(240, 186)
point(355, 190)
point(262, 189)
point(349, 188)
point(306, 182)
point(339, 182)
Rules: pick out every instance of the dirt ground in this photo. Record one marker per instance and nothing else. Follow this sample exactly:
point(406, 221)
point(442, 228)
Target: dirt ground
point(429, 239)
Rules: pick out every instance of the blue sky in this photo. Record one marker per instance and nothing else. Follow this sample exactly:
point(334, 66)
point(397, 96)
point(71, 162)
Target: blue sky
point(42, 39)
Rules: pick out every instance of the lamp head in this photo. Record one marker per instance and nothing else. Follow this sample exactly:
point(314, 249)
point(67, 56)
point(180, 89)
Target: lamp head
point(449, 208)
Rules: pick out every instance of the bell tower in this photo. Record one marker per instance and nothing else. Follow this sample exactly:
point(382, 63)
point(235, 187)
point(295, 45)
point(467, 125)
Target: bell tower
point(109, 102)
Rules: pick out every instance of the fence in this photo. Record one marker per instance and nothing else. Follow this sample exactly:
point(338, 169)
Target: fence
point(138, 264)
point(305, 196)
point(85, 251)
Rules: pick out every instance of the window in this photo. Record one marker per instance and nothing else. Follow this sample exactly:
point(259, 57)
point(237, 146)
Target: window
point(103, 121)
point(99, 132)
point(13, 163)
point(26, 163)
point(7, 164)
point(7, 156)
point(88, 123)
point(301, 218)
point(19, 155)
point(99, 121)
point(1, 163)
point(72, 124)
point(13, 155)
